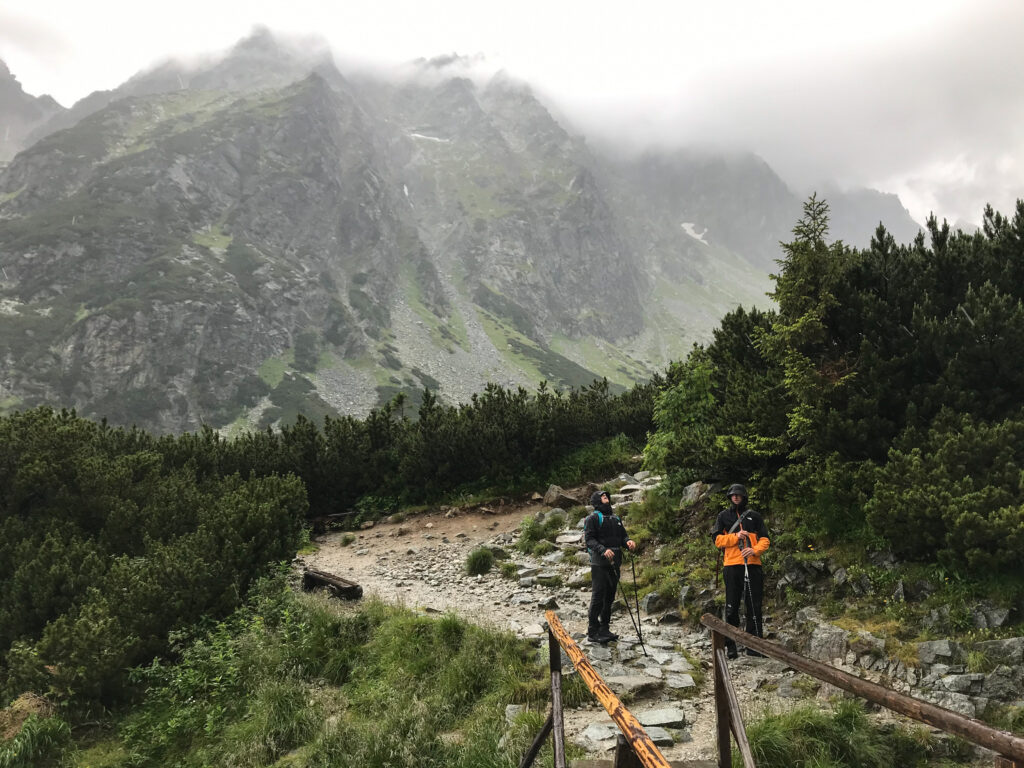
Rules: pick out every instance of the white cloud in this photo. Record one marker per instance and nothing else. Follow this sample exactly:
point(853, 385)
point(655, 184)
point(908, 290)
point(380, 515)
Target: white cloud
point(891, 94)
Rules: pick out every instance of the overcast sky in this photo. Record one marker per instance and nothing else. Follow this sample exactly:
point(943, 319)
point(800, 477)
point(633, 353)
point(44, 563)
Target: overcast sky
point(921, 98)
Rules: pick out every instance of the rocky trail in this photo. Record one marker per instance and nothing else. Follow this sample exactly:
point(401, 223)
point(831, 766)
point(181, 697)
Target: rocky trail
point(419, 562)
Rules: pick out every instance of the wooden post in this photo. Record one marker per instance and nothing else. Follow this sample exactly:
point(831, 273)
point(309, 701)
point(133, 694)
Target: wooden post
point(721, 701)
point(1005, 762)
point(625, 757)
point(739, 732)
point(557, 722)
point(538, 742)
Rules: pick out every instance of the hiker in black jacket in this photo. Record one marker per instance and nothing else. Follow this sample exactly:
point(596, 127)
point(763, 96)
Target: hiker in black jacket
point(605, 536)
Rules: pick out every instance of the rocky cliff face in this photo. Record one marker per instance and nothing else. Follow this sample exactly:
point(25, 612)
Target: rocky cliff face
point(259, 236)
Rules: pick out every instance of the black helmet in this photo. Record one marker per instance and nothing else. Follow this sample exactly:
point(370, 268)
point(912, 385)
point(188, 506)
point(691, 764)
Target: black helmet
point(736, 488)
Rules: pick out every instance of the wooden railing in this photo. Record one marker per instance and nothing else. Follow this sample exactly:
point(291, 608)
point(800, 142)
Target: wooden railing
point(1009, 749)
point(636, 749)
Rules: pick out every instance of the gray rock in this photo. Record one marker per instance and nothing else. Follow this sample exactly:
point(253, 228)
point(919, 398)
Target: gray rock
point(597, 737)
point(789, 689)
point(551, 604)
point(937, 651)
point(650, 602)
point(1003, 683)
point(988, 615)
point(957, 702)
point(899, 594)
point(679, 665)
point(680, 682)
point(642, 475)
point(660, 736)
point(839, 576)
point(827, 642)
point(569, 538)
point(670, 618)
point(666, 717)
point(579, 577)
point(512, 711)
point(809, 615)
point(1008, 651)
point(556, 497)
point(962, 683)
point(633, 684)
point(864, 642)
point(692, 494)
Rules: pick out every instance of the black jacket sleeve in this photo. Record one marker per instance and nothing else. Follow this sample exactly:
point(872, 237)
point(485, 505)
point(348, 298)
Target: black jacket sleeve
point(591, 535)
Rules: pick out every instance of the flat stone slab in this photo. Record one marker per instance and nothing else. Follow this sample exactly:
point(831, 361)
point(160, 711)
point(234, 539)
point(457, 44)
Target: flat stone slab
point(660, 736)
point(633, 684)
point(680, 682)
point(667, 717)
point(597, 737)
point(569, 538)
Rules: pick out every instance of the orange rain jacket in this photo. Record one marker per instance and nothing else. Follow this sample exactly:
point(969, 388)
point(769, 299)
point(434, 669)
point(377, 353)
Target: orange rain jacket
point(752, 523)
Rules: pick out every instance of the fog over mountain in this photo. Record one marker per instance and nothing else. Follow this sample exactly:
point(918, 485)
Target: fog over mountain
point(916, 98)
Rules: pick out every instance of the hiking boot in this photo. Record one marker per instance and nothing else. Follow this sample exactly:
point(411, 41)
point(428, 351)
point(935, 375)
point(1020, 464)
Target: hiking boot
point(606, 636)
point(755, 654)
point(594, 638)
point(732, 653)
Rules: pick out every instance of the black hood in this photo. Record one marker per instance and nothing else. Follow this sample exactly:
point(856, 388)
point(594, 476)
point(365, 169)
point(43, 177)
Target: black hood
point(595, 502)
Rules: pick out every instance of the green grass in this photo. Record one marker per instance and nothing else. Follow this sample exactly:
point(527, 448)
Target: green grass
point(842, 738)
point(272, 370)
point(533, 533)
point(479, 561)
point(8, 196)
point(212, 238)
point(302, 681)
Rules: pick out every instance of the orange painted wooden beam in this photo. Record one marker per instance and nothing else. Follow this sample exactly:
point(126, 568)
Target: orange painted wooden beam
point(644, 748)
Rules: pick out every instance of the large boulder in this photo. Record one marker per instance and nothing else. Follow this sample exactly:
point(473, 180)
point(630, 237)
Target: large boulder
point(556, 497)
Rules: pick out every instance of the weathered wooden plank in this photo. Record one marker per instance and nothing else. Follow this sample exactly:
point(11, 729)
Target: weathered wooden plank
point(1001, 742)
point(735, 714)
point(650, 756)
point(721, 703)
point(624, 755)
point(558, 724)
point(336, 585)
point(538, 742)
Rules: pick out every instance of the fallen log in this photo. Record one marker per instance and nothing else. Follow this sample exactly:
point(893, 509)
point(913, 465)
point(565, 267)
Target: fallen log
point(335, 585)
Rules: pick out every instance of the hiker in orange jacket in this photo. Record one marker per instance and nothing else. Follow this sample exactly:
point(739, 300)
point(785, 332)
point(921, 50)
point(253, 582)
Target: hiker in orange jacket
point(741, 533)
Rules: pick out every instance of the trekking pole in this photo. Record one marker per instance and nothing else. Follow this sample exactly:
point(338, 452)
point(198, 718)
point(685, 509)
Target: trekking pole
point(636, 624)
point(636, 598)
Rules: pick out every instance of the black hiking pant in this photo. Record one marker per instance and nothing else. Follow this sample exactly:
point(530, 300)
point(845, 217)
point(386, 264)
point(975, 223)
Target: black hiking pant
point(604, 580)
point(734, 593)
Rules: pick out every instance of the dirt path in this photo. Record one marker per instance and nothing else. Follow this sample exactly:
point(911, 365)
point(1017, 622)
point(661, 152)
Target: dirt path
point(420, 563)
